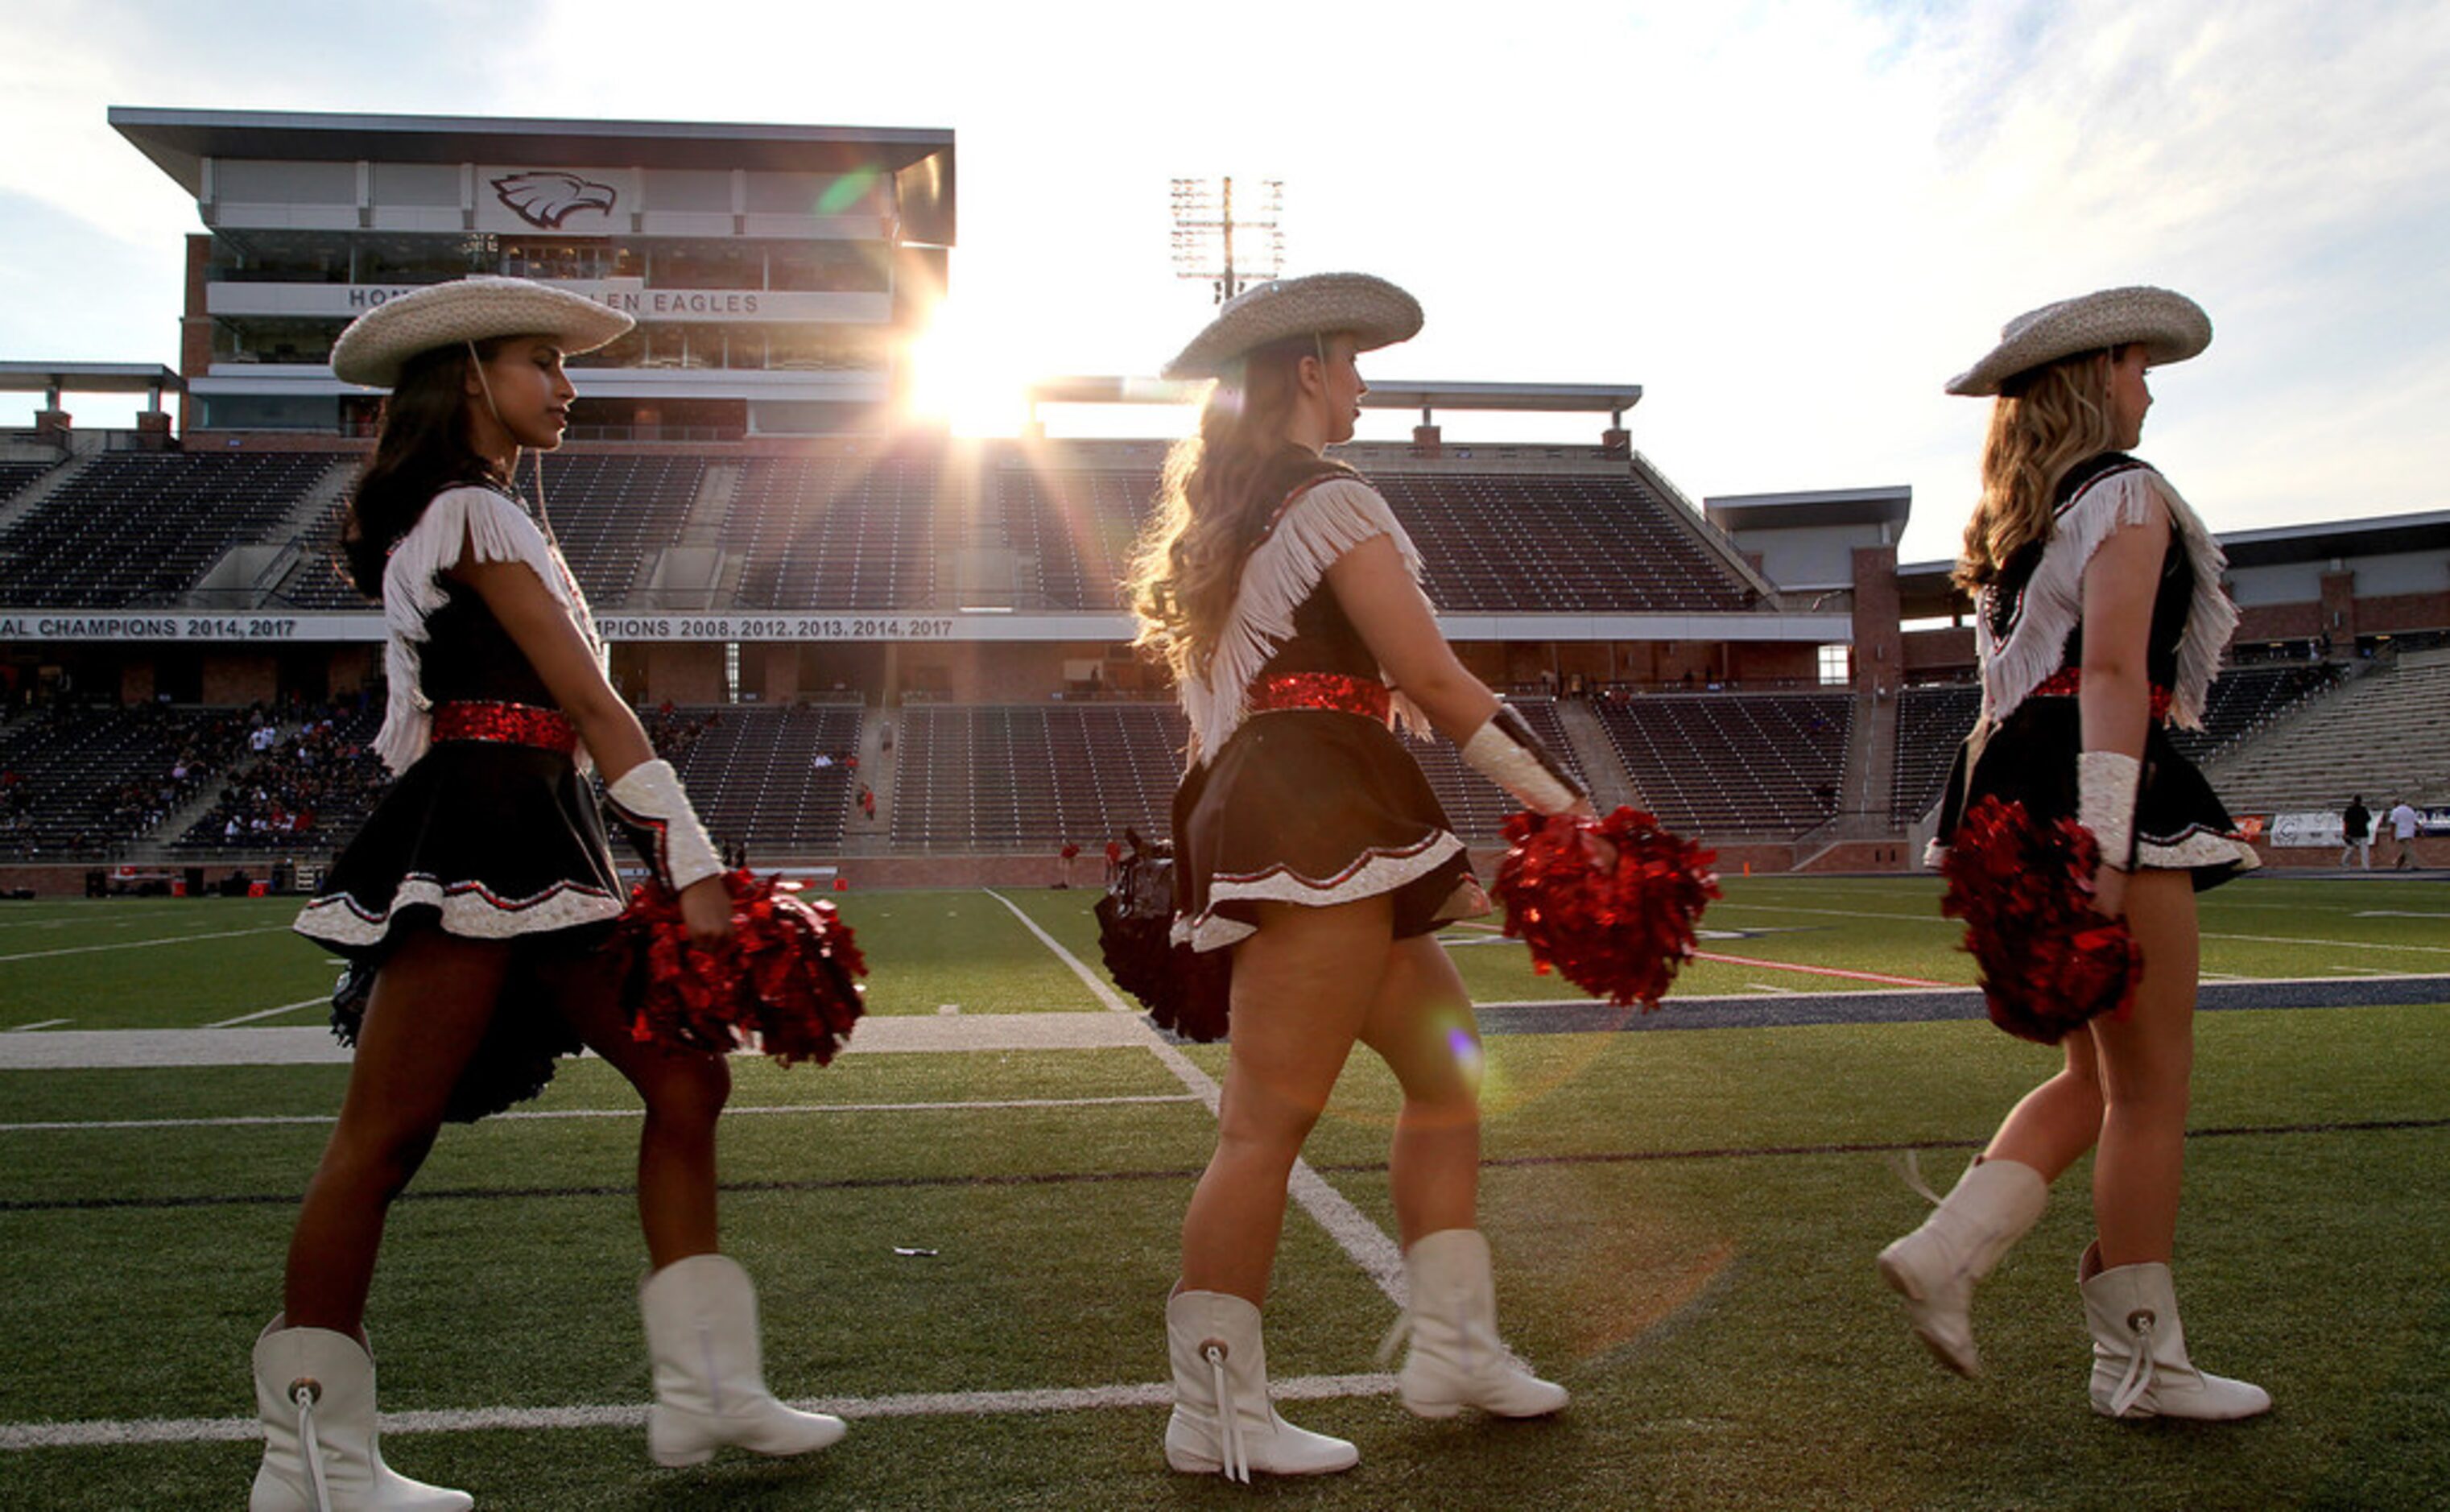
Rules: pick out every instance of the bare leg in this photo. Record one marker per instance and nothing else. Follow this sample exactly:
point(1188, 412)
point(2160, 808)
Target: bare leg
point(684, 1090)
point(2059, 1120)
point(1421, 1025)
point(1303, 985)
point(431, 1003)
point(2147, 1059)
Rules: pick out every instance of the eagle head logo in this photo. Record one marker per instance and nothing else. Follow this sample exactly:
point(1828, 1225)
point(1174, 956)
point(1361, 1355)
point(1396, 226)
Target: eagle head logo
point(545, 199)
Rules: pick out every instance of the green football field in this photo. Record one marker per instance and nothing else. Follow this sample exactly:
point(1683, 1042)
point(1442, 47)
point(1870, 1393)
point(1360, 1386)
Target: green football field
point(963, 1233)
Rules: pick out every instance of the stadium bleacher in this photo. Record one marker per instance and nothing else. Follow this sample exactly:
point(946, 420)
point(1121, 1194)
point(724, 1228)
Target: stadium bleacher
point(1733, 762)
point(139, 528)
point(993, 777)
point(1078, 526)
point(1931, 722)
point(16, 475)
point(753, 776)
point(610, 512)
point(853, 533)
point(1567, 543)
point(308, 794)
point(85, 782)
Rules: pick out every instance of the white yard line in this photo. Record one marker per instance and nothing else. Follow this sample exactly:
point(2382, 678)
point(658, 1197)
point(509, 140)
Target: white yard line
point(66, 920)
point(269, 1013)
point(734, 1111)
point(1376, 1254)
point(1933, 918)
point(140, 944)
point(39, 1023)
point(2338, 944)
point(107, 1432)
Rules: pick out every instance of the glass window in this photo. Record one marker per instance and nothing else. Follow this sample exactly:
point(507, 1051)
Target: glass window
point(1836, 666)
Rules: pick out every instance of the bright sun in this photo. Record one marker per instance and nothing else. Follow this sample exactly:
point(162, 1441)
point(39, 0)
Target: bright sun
point(971, 379)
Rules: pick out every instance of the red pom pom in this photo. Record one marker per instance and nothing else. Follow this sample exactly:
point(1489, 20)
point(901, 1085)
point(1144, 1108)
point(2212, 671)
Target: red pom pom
point(2050, 960)
point(1621, 933)
point(785, 982)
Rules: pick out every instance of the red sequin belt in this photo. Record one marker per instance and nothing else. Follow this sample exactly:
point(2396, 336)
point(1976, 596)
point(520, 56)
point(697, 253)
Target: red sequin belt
point(508, 724)
point(1365, 696)
point(2068, 681)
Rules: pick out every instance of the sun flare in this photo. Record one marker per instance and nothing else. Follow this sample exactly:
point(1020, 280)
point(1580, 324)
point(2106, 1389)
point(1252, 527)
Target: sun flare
point(967, 376)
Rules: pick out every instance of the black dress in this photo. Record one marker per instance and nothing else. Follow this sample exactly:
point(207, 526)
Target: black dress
point(483, 839)
point(1311, 801)
point(2032, 638)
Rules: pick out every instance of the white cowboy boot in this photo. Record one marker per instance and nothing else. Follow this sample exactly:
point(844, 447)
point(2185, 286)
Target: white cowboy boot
point(1936, 1267)
point(701, 1317)
point(1222, 1419)
point(2140, 1368)
point(315, 1392)
point(1457, 1360)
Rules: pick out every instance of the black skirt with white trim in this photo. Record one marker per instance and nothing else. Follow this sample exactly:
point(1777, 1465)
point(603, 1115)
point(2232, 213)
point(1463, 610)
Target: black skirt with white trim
point(2030, 758)
point(484, 840)
point(1316, 807)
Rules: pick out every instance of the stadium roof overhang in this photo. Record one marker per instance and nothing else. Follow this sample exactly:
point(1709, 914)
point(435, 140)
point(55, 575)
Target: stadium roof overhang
point(1820, 507)
point(1925, 593)
point(180, 142)
point(1612, 399)
point(55, 379)
point(2380, 536)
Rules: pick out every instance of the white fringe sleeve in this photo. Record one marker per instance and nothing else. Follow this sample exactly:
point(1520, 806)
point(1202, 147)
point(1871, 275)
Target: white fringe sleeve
point(2054, 601)
point(490, 528)
point(1283, 570)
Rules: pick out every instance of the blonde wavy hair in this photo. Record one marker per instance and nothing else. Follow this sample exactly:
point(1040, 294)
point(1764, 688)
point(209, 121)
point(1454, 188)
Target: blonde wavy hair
point(2044, 422)
point(1218, 488)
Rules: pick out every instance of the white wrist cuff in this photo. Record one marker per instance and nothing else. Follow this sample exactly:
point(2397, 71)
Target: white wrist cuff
point(2106, 783)
point(648, 799)
point(1505, 751)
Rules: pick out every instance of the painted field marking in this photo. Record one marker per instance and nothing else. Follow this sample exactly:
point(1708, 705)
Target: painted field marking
point(140, 944)
point(271, 1013)
point(39, 1023)
point(2343, 945)
point(1763, 986)
point(752, 1110)
point(1352, 1230)
point(1931, 918)
point(107, 1432)
point(63, 921)
point(2394, 913)
point(1822, 971)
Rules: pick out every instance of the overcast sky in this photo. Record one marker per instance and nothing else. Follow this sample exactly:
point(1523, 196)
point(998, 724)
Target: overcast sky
point(1789, 220)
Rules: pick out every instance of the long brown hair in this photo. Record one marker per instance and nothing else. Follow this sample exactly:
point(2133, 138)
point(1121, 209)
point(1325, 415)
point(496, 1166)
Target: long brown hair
point(2043, 422)
point(422, 449)
point(1218, 490)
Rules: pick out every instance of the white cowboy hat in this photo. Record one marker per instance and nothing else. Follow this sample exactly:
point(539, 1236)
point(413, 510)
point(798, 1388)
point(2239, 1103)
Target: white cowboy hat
point(2171, 326)
point(1372, 311)
point(377, 343)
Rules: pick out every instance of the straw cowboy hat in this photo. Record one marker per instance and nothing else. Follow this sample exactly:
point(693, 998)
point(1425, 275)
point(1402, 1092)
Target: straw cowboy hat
point(1372, 311)
point(377, 343)
point(2171, 326)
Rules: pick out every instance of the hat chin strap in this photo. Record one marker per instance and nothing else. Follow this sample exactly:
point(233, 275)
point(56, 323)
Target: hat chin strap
point(476, 362)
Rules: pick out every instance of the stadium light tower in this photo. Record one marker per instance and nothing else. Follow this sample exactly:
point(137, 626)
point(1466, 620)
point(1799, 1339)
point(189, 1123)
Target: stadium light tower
point(1211, 244)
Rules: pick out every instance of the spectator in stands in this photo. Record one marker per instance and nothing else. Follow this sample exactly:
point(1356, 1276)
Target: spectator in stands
point(2356, 828)
point(2100, 616)
point(1284, 596)
point(2402, 829)
point(476, 893)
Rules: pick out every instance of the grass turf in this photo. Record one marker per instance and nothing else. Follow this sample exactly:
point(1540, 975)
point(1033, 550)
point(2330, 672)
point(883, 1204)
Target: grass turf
point(1683, 1224)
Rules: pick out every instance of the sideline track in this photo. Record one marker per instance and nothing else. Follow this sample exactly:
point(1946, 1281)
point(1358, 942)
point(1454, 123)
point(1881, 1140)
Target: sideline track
point(1117, 1027)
